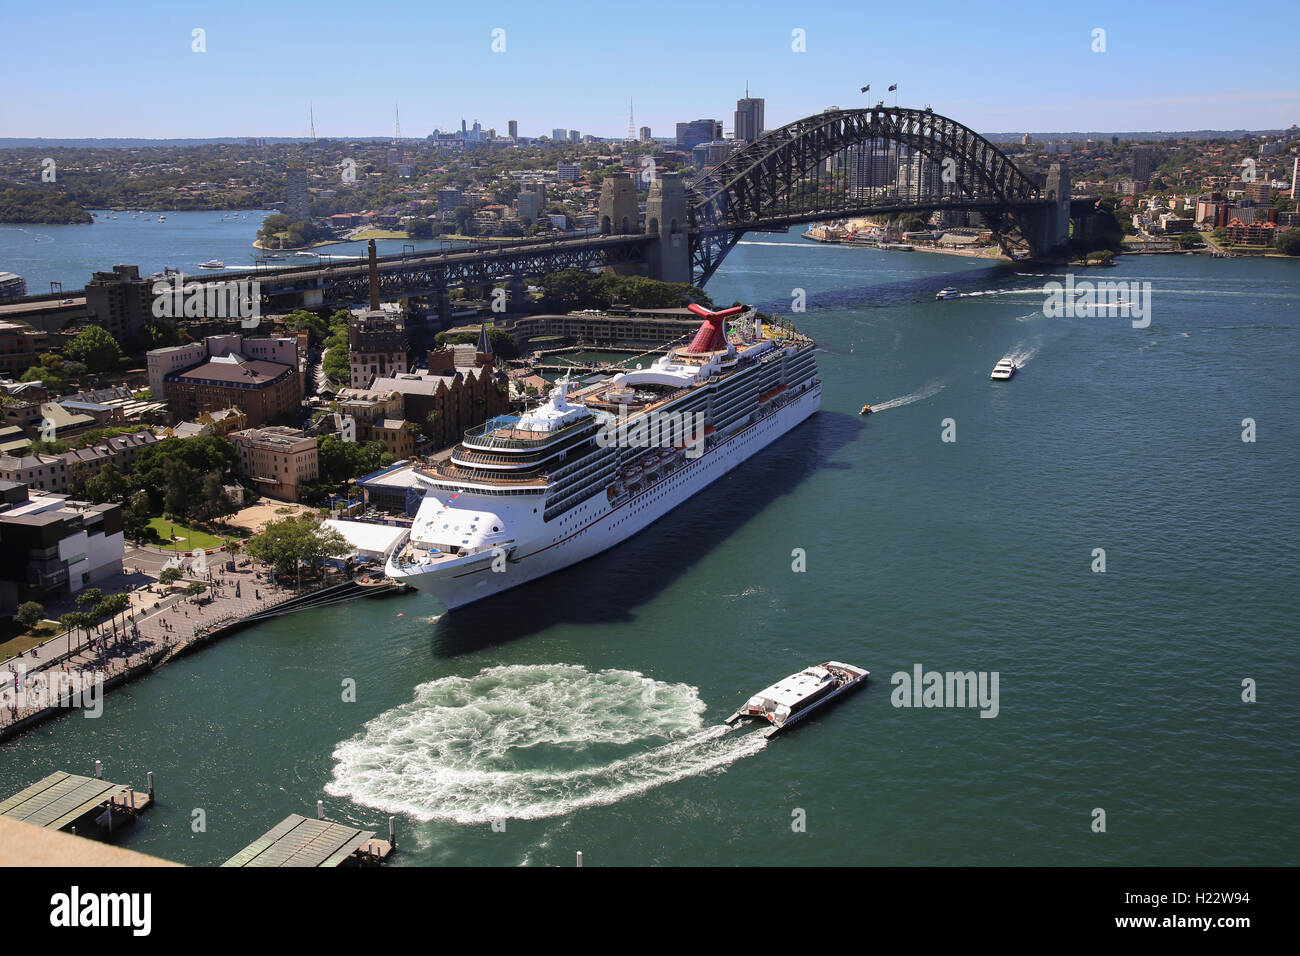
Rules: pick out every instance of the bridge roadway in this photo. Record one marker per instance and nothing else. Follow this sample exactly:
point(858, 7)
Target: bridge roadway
point(439, 270)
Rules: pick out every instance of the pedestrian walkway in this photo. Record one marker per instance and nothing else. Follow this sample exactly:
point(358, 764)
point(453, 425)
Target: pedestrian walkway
point(158, 624)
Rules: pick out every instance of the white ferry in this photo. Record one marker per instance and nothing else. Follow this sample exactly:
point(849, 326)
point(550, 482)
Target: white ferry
point(791, 700)
point(1003, 370)
point(212, 264)
point(948, 293)
point(522, 496)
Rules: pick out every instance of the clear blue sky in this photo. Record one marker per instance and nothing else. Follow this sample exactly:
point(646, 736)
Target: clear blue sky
point(78, 69)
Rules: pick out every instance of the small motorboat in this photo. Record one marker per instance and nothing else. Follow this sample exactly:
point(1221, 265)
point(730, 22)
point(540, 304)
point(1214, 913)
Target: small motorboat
point(948, 293)
point(865, 410)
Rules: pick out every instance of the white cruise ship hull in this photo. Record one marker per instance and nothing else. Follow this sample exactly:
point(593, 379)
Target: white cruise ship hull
point(456, 584)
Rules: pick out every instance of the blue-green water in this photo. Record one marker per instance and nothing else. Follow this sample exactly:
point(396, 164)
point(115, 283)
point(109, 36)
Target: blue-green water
point(579, 709)
point(71, 254)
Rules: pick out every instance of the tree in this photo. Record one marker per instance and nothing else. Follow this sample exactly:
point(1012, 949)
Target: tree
point(96, 348)
point(317, 328)
point(419, 229)
point(1289, 243)
point(195, 588)
point(169, 576)
point(109, 485)
point(283, 544)
point(30, 613)
point(89, 598)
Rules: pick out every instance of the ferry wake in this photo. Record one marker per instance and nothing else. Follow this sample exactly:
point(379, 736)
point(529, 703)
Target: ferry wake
point(523, 496)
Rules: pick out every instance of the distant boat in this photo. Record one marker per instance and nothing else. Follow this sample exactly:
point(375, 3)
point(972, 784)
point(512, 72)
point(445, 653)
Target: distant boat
point(162, 218)
point(212, 264)
point(948, 293)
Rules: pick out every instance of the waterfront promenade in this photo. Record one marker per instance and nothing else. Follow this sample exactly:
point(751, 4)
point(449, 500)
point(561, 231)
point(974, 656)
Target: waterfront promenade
point(159, 624)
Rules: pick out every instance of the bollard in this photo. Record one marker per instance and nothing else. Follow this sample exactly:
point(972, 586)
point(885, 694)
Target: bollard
point(392, 833)
point(99, 770)
point(579, 858)
point(149, 777)
point(320, 809)
point(131, 797)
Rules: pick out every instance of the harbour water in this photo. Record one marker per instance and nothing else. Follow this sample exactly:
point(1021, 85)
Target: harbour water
point(71, 254)
point(580, 713)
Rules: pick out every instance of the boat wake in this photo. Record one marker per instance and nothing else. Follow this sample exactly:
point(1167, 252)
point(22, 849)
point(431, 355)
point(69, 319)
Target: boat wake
point(1021, 354)
point(531, 741)
point(934, 388)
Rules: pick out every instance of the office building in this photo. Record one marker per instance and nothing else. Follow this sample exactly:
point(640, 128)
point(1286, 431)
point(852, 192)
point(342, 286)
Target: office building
point(690, 135)
point(749, 119)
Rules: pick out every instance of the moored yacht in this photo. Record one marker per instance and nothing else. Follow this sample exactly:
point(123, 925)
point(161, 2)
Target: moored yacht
point(791, 700)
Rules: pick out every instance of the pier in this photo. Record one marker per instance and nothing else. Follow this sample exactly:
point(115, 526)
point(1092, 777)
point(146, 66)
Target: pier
point(87, 806)
point(301, 841)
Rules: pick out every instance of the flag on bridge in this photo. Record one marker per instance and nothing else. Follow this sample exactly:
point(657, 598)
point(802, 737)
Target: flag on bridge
point(894, 87)
point(865, 88)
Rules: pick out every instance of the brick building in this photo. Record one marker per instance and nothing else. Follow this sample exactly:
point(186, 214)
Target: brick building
point(277, 459)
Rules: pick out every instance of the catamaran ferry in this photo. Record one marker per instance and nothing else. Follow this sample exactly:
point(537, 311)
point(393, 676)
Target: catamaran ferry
point(791, 700)
point(522, 496)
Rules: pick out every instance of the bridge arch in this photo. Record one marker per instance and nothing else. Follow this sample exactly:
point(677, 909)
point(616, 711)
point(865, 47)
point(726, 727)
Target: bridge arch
point(782, 178)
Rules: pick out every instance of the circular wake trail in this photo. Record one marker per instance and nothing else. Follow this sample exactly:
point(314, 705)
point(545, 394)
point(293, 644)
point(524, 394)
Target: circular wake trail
point(531, 741)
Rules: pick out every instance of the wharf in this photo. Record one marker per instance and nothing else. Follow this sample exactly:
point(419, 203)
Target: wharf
point(302, 841)
point(85, 805)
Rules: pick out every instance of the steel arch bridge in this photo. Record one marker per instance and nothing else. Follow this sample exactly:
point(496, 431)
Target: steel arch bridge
point(794, 175)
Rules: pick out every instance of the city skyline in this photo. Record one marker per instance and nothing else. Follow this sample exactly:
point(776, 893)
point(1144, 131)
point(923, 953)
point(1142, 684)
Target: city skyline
point(1047, 75)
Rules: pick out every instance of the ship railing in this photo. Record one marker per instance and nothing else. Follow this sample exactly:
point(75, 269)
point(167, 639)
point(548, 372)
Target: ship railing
point(482, 435)
point(448, 472)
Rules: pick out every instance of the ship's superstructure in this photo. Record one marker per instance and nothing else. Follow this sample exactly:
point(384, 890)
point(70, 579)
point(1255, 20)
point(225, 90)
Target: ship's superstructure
point(522, 496)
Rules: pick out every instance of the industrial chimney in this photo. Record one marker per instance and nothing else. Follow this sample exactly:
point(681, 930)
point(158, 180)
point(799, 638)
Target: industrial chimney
point(374, 279)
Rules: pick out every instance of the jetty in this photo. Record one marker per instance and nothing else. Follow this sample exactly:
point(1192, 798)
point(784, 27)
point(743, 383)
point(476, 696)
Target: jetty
point(86, 806)
point(302, 841)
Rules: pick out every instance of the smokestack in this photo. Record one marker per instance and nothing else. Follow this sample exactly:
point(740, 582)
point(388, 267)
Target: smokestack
point(374, 279)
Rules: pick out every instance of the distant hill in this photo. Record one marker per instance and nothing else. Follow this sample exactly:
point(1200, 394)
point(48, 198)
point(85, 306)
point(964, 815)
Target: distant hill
point(1135, 137)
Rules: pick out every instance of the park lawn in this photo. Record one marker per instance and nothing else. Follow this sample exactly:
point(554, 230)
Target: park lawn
point(190, 539)
point(24, 642)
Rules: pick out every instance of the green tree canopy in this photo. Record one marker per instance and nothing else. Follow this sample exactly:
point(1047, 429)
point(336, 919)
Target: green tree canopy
point(30, 613)
point(96, 349)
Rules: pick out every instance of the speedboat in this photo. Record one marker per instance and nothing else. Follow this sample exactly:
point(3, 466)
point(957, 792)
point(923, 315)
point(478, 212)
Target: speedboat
point(1003, 370)
point(865, 410)
point(791, 700)
point(948, 293)
point(212, 264)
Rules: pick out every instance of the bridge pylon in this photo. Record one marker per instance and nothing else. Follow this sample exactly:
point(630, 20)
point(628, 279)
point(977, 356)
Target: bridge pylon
point(1047, 229)
point(666, 217)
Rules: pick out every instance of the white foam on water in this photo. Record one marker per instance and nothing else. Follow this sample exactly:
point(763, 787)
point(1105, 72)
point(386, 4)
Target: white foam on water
point(934, 388)
point(531, 741)
point(1021, 354)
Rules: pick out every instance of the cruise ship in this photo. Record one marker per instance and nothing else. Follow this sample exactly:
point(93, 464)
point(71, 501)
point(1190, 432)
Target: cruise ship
point(523, 496)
